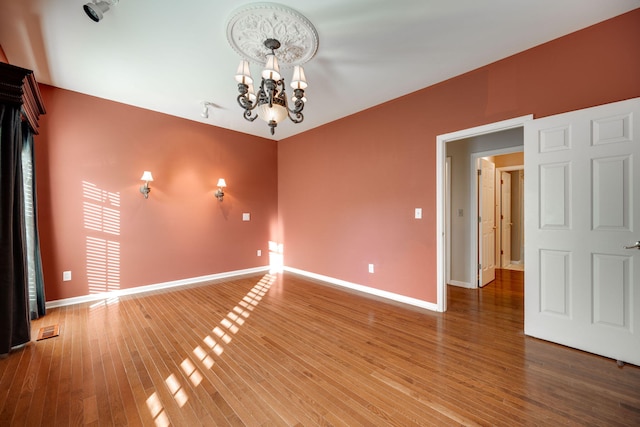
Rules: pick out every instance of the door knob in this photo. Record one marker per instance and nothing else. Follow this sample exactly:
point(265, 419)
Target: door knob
point(636, 246)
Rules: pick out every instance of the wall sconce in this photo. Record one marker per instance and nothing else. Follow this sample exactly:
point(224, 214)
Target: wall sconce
point(220, 192)
point(144, 189)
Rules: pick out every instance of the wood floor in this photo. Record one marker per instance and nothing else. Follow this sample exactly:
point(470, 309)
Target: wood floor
point(283, 350)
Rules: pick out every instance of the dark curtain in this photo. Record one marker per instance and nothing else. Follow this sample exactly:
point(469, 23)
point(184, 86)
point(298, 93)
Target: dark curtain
point(34, 262)
point(15, 323)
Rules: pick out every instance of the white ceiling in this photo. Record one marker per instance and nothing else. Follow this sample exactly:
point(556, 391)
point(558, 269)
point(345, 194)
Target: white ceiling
point(169, 56)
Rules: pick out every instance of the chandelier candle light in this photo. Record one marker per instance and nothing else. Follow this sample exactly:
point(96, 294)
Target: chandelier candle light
point(251, 31)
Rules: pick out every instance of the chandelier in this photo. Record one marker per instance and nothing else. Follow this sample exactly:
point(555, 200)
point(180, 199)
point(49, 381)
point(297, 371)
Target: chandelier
point(271, 101)
point(270, 34)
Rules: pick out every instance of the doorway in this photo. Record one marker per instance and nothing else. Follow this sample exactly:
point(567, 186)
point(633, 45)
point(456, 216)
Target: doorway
point(489, 169)
point(500, 208)
point(463, 256)
point(500, 200)
point(510, 215)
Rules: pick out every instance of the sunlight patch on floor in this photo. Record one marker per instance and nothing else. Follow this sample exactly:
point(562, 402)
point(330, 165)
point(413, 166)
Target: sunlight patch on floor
point(157, 411)
point(223, 333)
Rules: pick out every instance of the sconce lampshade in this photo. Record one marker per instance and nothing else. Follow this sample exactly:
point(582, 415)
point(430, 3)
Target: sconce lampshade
point(146, 176)
point(222, 183)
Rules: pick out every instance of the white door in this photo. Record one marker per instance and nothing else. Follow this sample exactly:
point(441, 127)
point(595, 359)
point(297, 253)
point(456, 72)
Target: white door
point(486, 200)
point(582, 288)
point(505, 219)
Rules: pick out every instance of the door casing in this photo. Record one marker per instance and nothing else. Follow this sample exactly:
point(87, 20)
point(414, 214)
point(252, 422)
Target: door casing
point(441, 222)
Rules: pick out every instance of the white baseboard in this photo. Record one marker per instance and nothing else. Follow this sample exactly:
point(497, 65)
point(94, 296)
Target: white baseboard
point(461, 284)
point(195, 280)
point(366, 289)
point(154, 287)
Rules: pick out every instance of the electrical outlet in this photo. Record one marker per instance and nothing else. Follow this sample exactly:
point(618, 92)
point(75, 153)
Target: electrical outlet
point(246, 216)
point(259, 252)
point(370, 268)
point(418, 214)
point(66, 276)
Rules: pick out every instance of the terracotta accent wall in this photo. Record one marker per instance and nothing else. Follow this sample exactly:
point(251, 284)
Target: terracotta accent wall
point(347, 190)
point(94, 221)
point(3, 57)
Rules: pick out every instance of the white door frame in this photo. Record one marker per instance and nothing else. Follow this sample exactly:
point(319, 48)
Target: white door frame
point(447, 210)
point(441, 141)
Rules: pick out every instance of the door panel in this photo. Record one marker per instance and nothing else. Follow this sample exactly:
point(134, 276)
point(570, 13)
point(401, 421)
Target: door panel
point(582, 288)
point(555, 197)
point(611, 290)
point(611, 193)
point(554, 283)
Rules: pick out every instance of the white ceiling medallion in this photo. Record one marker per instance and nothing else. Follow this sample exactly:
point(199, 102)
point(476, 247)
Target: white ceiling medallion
point(252, 24)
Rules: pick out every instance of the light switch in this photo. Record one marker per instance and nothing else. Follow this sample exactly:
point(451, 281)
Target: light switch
point(370, 268)
point(418, 213)
point(246, 216)
point(66, 276)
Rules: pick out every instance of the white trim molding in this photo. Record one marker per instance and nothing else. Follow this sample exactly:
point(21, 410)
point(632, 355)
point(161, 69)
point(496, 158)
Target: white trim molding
point(154, 287)
point(106, 296)
point(461, 284)
point(365, 289)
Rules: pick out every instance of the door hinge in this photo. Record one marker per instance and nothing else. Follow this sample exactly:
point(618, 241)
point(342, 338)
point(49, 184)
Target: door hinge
point(479, 172)
point(479, 218)
point(479, 266)
point(501, 252)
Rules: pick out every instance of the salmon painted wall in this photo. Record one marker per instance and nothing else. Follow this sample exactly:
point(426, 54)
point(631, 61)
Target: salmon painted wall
point(347, 190)
point(93, 220)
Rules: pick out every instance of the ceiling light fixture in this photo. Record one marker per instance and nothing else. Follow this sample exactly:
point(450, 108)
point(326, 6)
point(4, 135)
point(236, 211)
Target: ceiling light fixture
point(251, 29)
point(96, 9)
point(271, 100)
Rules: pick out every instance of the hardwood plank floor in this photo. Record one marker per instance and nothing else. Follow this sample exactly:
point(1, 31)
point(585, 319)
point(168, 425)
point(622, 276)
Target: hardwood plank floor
point(284, 350)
